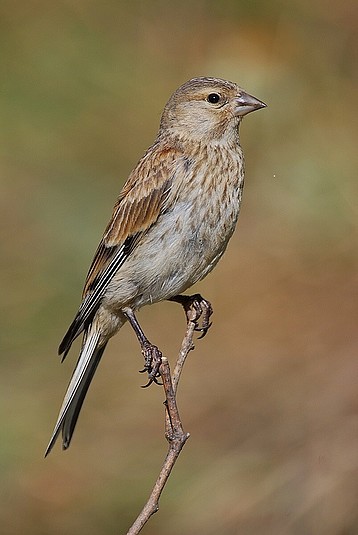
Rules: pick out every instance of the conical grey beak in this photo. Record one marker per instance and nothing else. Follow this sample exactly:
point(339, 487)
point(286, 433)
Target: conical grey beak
point(246, 103)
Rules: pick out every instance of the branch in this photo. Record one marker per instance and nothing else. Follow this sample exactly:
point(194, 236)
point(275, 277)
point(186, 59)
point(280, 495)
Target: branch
point(174, 432)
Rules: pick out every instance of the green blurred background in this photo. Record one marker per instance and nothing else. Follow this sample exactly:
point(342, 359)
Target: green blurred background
point(270, 395)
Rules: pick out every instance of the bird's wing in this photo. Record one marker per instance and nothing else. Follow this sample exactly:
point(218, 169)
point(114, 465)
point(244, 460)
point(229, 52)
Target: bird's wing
point(141, 201)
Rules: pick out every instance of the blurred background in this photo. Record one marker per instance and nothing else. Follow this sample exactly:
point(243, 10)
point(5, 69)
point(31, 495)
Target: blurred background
point(270, 395)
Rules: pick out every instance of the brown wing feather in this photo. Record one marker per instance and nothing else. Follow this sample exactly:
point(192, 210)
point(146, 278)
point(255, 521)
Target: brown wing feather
point(137, 208)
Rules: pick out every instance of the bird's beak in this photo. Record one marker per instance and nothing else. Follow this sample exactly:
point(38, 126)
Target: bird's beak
point(246, 103)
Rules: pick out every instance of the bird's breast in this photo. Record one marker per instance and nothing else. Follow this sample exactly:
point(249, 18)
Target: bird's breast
point(204, 215)
point(190, 235)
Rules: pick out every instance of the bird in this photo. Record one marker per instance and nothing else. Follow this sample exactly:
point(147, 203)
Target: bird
point(170, 226)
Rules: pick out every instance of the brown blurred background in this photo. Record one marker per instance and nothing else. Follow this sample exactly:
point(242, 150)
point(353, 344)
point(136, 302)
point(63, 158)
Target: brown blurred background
point(270, 395)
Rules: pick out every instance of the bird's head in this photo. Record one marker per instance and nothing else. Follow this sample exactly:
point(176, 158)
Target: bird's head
point(207, 109)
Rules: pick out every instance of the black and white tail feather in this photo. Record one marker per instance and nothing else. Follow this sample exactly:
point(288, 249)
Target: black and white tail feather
point(92, 346)
point(90, 355)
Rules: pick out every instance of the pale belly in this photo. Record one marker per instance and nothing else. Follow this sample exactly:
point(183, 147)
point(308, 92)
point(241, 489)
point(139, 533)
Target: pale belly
point(179, 250)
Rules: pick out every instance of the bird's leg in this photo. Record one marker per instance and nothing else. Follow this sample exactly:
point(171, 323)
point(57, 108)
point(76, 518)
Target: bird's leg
point(196, 307)
point(152, 355)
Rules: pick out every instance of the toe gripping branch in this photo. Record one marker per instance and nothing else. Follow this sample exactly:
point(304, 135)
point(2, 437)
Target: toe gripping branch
point(196, 308)
point(152, 355)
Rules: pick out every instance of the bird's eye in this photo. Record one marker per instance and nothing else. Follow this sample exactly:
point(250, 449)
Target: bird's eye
point(213, 98)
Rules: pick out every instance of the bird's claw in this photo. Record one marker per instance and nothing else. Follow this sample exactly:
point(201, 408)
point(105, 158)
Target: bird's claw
point(196, 308)
point(152, 361)
point(204, 311)
point(203, 330)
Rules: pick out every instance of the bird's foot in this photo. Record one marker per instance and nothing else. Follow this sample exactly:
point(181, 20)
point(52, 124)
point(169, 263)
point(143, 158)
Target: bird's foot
point(152, 355)
point(152, 361)
point(196, 308)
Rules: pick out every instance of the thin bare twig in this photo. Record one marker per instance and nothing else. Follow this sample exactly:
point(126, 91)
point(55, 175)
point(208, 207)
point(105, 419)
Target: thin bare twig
point(174, 432)
point(187, 345)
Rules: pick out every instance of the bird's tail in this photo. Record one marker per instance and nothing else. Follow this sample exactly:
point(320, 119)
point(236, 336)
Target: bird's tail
point(91, 353)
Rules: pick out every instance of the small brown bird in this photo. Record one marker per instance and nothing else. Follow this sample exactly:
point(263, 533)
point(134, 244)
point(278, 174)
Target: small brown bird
point(169, 228)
